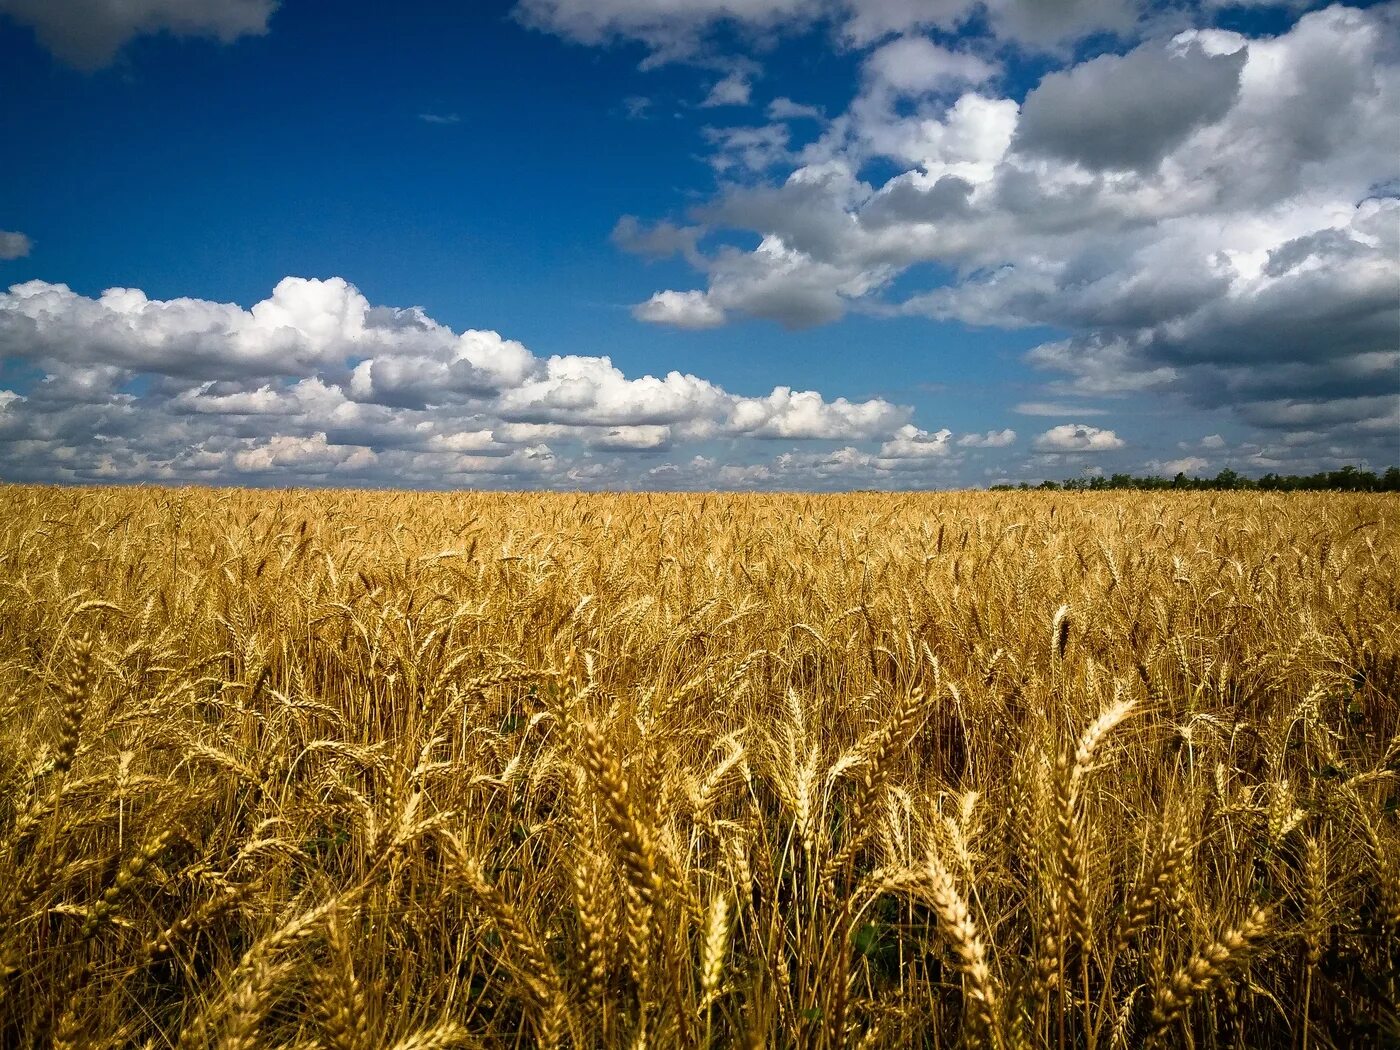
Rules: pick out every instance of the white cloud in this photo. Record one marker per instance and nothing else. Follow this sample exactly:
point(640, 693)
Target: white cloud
point(1038, 24)
point(316, 384)
point(868, 21)
point(783, 108)
point(305, 323)
point(660, 241)
point(672, 28)
point(991, 439)
point(1209, 218)
point(1056, 408)
point(1129, 111)
point(1184, 465)
point(915, 65)
point(1077, 437)
point(909, 442)
point(675, 29)
point(968, 140)
point(630, 439)
point(88, 34)
point(301, 455)
point(590, 391)
point(786, 413)
point(749, 149)
point(911, 458)
point(440, 118)
point(733, 90)
point(691, 309)
point(14, 245)
point(1297, 5)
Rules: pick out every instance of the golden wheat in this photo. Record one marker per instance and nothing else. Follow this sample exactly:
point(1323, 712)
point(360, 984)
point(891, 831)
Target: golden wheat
point(352, 770)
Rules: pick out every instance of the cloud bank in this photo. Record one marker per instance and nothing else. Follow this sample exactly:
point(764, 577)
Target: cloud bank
point(679, 29)
point(1205, 217)
point(315, 384)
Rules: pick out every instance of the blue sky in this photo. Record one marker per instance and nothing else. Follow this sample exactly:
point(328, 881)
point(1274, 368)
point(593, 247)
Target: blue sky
point(722, 243)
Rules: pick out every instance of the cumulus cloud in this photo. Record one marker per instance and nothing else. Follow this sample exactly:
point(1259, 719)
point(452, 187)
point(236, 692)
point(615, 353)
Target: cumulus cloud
point(838, 469)
point(868, 21)
point(691, 309)
point(297, 455)
point(659, 241)
point(786, 413)
point(87, 34)
point(1036, 23)
point(1076, 437)
point(909, 442)
point(1129, 111)
point(914, 65)
point(14, 245)
point(299, 328)
point(991, 439)
point(314, 383)
point(1184, 465)
point(1208, 218)
point(631, 439)
point(749, 149)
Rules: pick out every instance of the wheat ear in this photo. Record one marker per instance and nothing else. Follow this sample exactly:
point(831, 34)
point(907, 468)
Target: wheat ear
point(955, 923)
point(1206, 969)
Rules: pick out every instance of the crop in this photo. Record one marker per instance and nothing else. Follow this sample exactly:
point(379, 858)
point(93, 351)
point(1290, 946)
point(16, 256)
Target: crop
point(361, 770)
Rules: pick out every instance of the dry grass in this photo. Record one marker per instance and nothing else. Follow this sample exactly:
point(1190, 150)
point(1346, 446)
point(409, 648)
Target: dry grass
point(363, 770)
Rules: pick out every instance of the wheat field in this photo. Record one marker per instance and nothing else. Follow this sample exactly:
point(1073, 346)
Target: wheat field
point(359, 770)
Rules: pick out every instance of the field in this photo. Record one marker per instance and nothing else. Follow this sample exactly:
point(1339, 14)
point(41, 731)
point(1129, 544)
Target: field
point(361, 770)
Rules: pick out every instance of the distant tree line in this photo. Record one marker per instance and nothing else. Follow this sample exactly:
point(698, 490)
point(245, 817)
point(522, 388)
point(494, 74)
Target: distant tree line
point(1347, 479)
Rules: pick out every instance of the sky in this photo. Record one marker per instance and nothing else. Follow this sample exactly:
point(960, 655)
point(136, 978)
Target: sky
point(696, 244)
